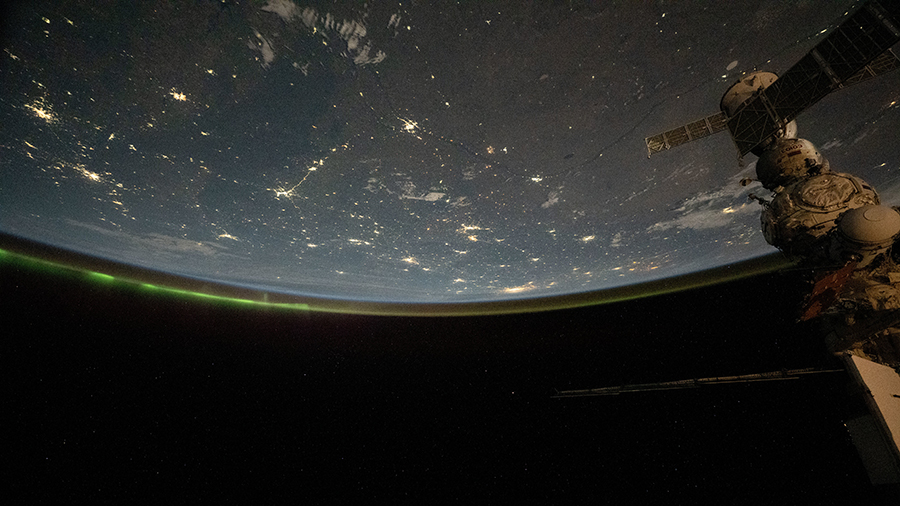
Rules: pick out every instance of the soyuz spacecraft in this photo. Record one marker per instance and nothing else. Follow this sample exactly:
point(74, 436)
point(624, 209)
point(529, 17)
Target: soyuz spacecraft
point(832, 222)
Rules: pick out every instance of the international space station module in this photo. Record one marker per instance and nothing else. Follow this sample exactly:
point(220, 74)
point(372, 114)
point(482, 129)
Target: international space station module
point(832, 222)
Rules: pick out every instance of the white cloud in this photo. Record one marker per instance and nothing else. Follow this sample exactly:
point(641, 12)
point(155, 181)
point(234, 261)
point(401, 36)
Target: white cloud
point(704, 219)
point(364, 58)
point(714, 209)
point(285, 9)
point(831, 144)
point(552, 198)
point(353, 32)
point(616, 240)
point(890, 195)
point(156, 243)
point(262, 45)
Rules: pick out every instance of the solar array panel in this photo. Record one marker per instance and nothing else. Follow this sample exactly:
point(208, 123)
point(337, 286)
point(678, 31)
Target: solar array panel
point(839, 58)
point(686, 133)
point(885, 62)
point(857, 50)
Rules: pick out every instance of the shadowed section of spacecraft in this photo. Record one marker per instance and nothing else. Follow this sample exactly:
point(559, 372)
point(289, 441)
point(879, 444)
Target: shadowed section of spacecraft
point(826, 290)
point(857, 50)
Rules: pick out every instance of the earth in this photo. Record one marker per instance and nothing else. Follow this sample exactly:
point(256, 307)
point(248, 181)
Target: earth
point(405, 152)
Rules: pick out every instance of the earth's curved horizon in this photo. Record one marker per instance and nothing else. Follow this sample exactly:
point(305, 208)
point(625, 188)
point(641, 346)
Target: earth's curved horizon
point(404, 154)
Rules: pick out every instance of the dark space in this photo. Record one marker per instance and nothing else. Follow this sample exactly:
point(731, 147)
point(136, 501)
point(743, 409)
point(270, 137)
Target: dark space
point(113, 393)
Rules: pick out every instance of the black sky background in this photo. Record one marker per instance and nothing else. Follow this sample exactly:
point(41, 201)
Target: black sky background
point(112, 393)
